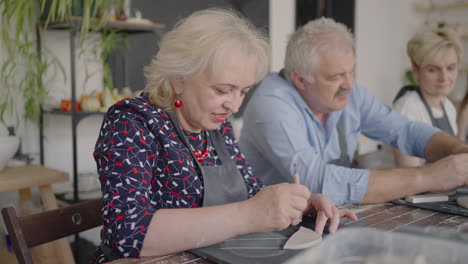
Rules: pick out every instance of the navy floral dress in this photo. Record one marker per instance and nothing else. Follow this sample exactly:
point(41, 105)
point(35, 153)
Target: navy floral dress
point(144, 166)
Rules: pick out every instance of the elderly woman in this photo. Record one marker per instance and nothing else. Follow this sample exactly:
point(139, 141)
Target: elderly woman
point(173, 148)
point(435, 56)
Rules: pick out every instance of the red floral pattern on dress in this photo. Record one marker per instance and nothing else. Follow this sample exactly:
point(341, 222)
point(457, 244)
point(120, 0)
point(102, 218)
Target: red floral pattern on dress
point(144, 166)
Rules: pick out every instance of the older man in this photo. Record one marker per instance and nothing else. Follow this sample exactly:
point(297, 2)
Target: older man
point(309, 117)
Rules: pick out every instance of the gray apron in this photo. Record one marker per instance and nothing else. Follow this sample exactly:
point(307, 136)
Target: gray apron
point(442, 123)
point(344, 159)
point(222, 184)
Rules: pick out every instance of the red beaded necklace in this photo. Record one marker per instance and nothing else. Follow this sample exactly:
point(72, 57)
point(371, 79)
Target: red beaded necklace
point(201, 155)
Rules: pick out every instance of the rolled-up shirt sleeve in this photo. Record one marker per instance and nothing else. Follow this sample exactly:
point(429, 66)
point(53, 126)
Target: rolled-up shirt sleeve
point(280, 131)
point(284, 140)
point(342, 185)
point(382, 123)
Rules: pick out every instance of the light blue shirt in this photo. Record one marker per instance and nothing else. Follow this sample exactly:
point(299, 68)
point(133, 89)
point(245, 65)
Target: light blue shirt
point(279, 130)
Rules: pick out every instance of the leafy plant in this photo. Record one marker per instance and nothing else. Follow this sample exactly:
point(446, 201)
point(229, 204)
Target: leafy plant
point(19, 47)
point(21, 68)
point(111, 42)
point(410, 77)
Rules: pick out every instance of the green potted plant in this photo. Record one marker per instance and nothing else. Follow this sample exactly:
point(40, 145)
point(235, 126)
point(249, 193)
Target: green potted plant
point(21, 68)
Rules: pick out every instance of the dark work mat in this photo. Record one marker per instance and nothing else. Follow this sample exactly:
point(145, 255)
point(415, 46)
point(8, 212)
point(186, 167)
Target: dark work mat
point(450, 207)
point(256, 247)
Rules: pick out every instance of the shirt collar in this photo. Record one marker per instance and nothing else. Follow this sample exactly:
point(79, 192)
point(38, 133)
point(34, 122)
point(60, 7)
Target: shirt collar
point(333, 117)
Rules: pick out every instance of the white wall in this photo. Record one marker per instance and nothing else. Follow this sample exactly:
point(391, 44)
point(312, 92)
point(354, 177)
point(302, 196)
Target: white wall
point(282, 20)
point(382, 29)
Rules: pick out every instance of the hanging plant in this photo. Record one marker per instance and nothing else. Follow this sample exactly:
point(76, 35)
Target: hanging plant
point(21, 68)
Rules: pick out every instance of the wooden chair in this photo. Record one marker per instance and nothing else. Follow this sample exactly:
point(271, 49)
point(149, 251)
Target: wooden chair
point(36, 229)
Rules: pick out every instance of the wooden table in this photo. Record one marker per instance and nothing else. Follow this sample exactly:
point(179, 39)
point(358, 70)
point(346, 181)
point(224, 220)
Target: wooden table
point(22, 179)
point(388, 217)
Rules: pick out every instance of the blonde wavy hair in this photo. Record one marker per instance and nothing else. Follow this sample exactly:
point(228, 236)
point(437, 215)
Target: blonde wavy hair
point(426, 46)
point(196, 44)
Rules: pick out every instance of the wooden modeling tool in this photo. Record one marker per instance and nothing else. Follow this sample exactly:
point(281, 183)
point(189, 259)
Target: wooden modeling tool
point(296, 176)
point(304, 237)
point(296, 180)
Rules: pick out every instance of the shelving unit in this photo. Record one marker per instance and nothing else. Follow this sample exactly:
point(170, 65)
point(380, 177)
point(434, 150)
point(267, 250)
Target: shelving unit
point(431, 8)
point(73, 27)
point(75, 23)
point(445, 7)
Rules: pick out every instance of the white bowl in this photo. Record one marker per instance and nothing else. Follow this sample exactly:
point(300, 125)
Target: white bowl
point(8, 147)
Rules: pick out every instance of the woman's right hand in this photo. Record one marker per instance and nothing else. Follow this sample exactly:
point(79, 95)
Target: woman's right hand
point(276, 207)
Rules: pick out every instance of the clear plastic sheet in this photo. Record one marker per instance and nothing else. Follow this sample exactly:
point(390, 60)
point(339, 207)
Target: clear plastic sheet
point(369, 246)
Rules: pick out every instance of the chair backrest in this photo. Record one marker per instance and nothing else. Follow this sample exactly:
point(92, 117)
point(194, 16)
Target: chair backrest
point(36, 229)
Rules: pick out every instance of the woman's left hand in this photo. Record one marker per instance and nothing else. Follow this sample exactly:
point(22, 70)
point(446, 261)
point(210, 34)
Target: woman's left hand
point(323, 207)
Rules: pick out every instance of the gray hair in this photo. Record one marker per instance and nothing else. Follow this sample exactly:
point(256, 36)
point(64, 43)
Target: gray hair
point(307, 43)
point(196, 44)
point(426, 45)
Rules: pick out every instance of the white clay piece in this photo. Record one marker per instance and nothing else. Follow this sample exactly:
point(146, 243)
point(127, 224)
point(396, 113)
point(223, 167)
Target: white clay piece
point(463, 201)
point(303, 238)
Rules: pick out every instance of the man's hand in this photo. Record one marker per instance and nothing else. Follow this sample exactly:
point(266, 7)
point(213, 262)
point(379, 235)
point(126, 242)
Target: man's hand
point(447, 173)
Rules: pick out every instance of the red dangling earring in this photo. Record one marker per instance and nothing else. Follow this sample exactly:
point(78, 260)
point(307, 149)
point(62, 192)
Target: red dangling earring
point(178, 102)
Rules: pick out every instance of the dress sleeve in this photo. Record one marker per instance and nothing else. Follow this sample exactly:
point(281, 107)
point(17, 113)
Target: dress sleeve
point(123, 154)
point(253, 183)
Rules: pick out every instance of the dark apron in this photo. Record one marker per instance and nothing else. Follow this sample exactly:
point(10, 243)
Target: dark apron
point(442, 123)
point(344, 159)
point(222, 184)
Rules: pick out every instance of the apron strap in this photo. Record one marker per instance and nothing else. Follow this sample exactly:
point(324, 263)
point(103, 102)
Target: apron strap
point(344, 159)
point(175, 122)
point(403, 91)
point(342, 139)
point(444, 124)
point(222, 184)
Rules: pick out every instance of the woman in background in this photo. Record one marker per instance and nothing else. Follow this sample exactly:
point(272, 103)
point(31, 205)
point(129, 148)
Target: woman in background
point(435, 56)
point(462, 119)
point(172, 175)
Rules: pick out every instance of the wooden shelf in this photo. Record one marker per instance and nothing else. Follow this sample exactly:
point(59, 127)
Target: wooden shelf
point(78, 114)
point(432, 8)
point(128, 27)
